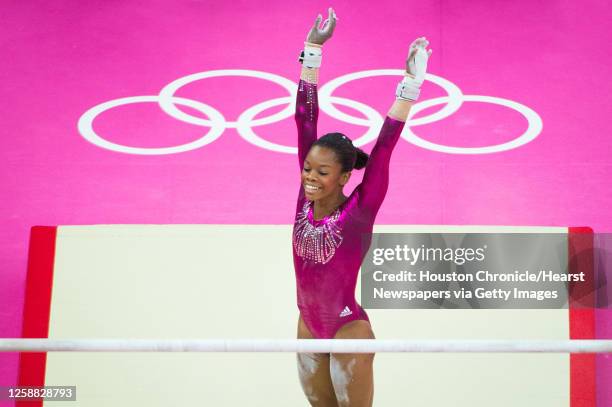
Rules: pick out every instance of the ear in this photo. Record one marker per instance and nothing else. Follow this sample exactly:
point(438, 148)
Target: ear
point(344, 177)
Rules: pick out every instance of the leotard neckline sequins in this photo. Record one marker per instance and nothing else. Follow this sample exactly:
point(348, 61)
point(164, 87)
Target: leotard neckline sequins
point(325, 219)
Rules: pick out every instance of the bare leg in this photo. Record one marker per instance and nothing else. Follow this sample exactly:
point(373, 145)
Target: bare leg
point(352, 373)
point(313, 369)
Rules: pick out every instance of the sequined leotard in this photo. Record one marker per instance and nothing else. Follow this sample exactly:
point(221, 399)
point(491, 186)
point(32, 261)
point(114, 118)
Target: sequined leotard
point(327, 253)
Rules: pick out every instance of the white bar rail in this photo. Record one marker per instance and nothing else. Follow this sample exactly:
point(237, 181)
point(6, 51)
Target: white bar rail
point(302, 345)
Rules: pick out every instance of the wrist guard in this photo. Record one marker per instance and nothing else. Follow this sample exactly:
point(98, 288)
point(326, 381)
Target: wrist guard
point(311, 56)
point(408, 89)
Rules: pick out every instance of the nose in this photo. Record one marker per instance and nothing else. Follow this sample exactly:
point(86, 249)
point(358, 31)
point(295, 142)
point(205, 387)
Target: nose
point(311, 178)
point(308, 176)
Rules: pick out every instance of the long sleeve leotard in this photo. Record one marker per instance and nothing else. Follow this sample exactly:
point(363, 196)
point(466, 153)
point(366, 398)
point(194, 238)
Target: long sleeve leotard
point(327, 253)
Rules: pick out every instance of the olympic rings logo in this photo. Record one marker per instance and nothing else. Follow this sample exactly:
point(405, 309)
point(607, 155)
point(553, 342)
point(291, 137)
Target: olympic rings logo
point(246, 121)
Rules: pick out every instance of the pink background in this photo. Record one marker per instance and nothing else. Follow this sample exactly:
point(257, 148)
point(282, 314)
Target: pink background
point(62, 58)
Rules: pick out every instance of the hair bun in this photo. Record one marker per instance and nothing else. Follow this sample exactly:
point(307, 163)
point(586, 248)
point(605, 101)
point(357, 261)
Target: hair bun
point(361, 160)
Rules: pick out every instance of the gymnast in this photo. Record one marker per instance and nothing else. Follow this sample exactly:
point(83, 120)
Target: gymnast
point(328, 228)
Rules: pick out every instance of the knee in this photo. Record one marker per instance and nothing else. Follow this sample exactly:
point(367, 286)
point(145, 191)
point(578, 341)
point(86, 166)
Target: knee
point(352, 375)
point(310, 363)
point(341, 370)
point(310, 394)
point(307, 364)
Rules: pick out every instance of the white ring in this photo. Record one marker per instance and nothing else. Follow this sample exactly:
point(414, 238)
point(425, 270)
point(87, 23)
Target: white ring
point(167, 93)
point(533, 130)
point(249, 135)
point(325, 101)
point(85, 126)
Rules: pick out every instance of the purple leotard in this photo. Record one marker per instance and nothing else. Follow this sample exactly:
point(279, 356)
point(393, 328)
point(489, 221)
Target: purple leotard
point(327, 253)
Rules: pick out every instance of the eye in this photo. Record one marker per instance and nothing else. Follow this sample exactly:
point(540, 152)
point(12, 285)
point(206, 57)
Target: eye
point(306, 169)
point(322, 173)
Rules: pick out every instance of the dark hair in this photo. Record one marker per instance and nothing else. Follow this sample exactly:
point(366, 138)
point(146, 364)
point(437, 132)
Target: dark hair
point(348, 155)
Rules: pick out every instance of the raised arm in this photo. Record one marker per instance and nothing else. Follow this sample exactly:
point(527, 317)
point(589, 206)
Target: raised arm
point(306, 111)
point(409, 89)
point(376, 178)
point(306, 105)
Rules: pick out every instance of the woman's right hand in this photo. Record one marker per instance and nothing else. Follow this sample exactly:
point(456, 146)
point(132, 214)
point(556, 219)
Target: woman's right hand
point(416, 62)
point(320, 35)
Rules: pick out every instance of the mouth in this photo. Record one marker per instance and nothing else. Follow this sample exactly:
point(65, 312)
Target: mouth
point(311, 189)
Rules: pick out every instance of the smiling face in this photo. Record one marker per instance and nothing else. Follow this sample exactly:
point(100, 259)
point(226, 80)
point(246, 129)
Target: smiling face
point(322, 176)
